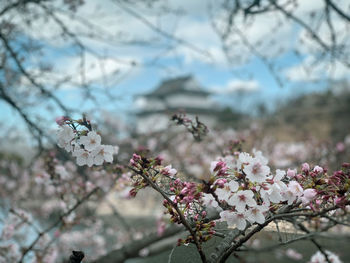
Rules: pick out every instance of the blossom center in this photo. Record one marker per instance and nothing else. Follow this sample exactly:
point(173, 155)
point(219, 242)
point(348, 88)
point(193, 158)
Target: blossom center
point(242, 198)
point(256, 168)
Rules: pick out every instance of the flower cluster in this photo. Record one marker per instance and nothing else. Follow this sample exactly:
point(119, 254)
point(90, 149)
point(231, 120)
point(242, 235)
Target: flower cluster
point(246, 189)
point(318, 257)
point(184, 192)
point(241, 187)
point(85, 145)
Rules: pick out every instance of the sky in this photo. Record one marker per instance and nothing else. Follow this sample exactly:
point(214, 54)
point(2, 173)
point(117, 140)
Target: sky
point(179, 43)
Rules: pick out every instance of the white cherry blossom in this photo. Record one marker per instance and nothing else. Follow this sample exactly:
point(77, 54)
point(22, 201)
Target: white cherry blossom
point(272, 194)
point(296, 188)
point(256, 171)
point(65, 136)
point(169, 170)
point(233, 219)
point(91, 141)
point(244, 159)
point(241, 199)
point(291, 173)
point(258, 155)
point(102, 153)
point(293, 191)
point(255, 214)
point(83, 157)
point(275, 191)
point(318, 169)
point(318, 257)
point(308, 196)
point(225, 192)
point(209, 200)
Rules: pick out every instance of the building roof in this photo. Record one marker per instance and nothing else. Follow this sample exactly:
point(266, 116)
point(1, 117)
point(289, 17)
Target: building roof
point(187, 110)
point(184, 85)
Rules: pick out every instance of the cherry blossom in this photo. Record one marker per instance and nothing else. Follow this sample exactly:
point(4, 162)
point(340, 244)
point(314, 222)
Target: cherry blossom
point(83, 157)
point(305, 167)
point(256, 170)
point(318, 169)
point(91, 141)
point(291, 173)
point(225, 192)
point(102, 153)
point(88, 149)
point(65, 136)
point(234, 219)
point(293, 191)
point(255, 214)
point(239, 186)
point(218, 167)
point(274, 192)
point(293, 254)
point(244, 159)
point(209, 200)
point(241, 199)
point(318, 257)
point(169, 170)
point(308, 195)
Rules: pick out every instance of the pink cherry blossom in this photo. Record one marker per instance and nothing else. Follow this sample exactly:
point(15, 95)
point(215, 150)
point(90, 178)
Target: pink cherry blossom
point(308, 196)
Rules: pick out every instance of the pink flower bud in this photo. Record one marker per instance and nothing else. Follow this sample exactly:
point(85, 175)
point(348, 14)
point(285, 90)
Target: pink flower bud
point(340, 147)
point(299, 177)
point(340, 201)
point(291, 253)
point(291, 173)
point(346, 165)
point(318, 169)
point(177, 181)
point(132, 192)
point(159, 160)
point(61, 120)
point(310, 193)
point(57, 233)
point(305, 167)
point(184, 191)
point(220, 183)
point(160, 227)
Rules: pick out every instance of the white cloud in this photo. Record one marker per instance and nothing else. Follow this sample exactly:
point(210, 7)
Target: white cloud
point(318, 65)
point(272, 35)
point(237, 86)
point(96, 69)
point(313, 70)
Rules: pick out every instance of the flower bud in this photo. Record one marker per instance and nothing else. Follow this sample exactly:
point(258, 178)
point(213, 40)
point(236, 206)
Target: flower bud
point(305, 167)
point(291, 173)
point(318, 169)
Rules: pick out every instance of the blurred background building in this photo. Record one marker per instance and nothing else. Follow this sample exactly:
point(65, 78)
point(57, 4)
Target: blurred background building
point(180, 94)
